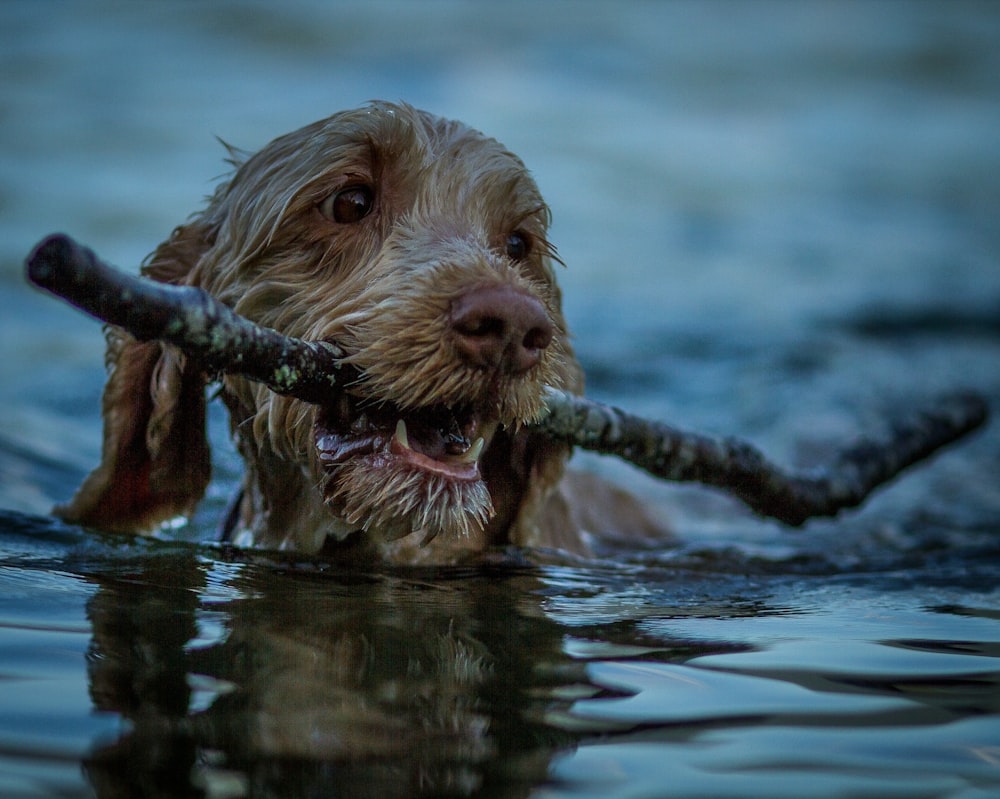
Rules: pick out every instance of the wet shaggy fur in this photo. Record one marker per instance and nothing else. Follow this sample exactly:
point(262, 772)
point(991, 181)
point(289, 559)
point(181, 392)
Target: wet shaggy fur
point(369, 229)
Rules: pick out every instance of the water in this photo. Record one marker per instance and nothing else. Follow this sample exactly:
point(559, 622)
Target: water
point(780, 221)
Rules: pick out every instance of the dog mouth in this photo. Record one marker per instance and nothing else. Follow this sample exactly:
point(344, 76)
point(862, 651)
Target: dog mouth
point(442, 441)
point(390, 472)
point(390, 469)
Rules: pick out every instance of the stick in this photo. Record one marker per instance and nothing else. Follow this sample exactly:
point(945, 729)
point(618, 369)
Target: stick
point(208, 331)
point(187, 317)
point(740, 469)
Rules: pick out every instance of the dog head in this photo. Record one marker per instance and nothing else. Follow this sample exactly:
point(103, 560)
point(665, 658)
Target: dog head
point(419, 246)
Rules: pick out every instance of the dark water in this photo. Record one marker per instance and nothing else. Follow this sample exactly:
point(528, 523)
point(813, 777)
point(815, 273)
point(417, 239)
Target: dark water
point(781, 221)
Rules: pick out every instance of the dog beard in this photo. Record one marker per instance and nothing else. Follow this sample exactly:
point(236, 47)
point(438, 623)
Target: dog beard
point(391, 500)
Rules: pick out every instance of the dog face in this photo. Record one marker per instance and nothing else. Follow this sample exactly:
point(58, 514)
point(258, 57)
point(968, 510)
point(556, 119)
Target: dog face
point(419, 246)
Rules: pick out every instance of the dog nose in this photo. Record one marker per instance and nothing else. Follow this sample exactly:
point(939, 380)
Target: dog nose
point(499, 327)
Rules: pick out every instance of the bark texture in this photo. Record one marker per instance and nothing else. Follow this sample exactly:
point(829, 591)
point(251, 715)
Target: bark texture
point(223, 342)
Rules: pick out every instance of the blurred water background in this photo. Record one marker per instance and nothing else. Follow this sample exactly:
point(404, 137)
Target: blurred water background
point(781, 220)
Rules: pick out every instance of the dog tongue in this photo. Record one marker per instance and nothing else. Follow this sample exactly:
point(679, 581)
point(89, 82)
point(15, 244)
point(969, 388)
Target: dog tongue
point(435, 452)
point(436, 440)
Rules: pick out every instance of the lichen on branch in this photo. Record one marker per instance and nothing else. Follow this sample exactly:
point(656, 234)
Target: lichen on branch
point(223, 342)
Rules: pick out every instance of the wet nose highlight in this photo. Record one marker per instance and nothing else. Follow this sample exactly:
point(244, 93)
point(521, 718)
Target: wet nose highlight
point(500, 327)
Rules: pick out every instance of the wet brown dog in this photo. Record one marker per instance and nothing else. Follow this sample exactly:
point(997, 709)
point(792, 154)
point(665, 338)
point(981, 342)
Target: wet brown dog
point(419, 246)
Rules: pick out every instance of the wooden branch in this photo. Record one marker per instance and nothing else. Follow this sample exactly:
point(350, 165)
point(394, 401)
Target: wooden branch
point(740, 469)
point(187, 317)
point(208, 331)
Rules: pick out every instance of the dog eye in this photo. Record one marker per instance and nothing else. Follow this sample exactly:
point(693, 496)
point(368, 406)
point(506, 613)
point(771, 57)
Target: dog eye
point(517, 246)
point(348, 205)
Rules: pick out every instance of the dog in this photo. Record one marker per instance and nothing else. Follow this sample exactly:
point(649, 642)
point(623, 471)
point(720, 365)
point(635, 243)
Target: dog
point(419, 246)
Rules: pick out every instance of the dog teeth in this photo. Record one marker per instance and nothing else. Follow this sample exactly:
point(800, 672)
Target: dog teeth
point(401, 435)
point(471, 455)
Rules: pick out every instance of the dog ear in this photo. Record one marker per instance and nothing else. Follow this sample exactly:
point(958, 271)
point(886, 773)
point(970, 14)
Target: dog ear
point(522, 470)
point(155, 461)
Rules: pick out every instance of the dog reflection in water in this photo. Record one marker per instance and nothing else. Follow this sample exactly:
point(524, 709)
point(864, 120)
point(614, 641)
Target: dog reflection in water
point(398, 685)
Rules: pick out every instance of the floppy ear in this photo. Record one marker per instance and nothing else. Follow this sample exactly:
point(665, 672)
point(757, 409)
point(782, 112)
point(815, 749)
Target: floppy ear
point(155, 460)
point(522, 471)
